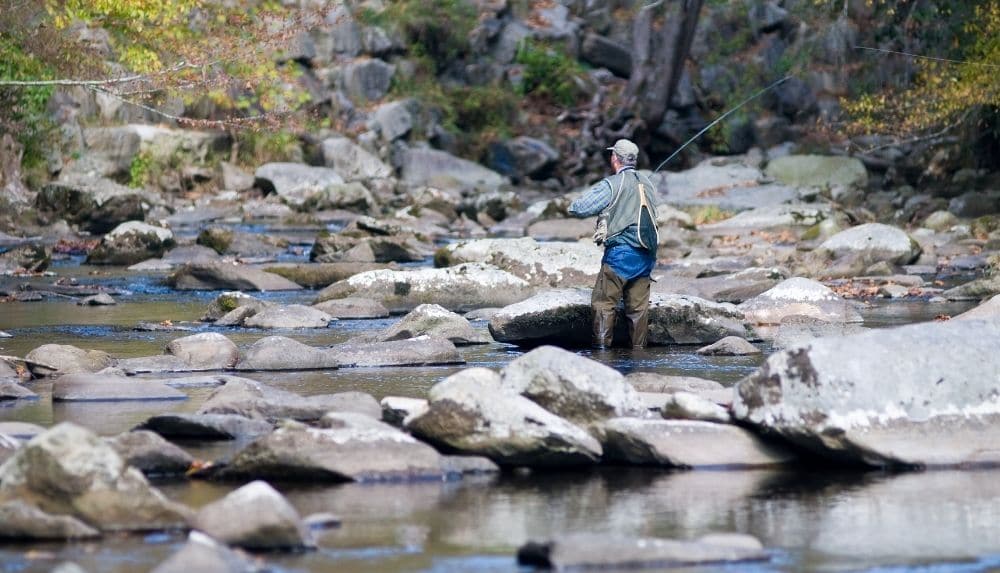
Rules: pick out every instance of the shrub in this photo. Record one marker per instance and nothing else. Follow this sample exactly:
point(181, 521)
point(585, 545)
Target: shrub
point(549, 73)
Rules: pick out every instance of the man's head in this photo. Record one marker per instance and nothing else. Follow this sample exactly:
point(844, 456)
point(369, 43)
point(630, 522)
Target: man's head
point(626, 152)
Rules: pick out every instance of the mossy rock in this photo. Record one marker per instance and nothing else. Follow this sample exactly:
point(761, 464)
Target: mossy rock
point(216, 238)
point(443, 258)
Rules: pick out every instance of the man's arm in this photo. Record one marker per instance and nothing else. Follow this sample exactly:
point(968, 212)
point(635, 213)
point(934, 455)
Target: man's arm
point(593, 201)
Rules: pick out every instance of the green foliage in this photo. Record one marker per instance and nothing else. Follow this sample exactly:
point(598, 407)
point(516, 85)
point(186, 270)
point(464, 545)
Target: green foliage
point(23, 108)
point(140, 169)
point(483, 108)
point(549, 73)
point(263, 146)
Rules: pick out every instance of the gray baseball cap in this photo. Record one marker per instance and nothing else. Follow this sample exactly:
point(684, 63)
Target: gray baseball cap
point(624, 148)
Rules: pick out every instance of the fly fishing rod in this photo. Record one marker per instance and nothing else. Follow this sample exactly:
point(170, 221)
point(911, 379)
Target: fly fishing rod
point(722, 117)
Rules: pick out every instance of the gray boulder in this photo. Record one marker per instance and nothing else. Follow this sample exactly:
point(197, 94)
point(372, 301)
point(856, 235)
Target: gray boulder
point(205, 351)
point(603, 52)
point(103, 387)
point(49, 359)
point(393, 120)
point(978, 289)
point(592, 551)
point(11, 390)
point(347, 447)
point(23, 521)
point(161, 363)
point(420, 351)
point(688, 444)
point(319, 275)
point(522, 157)
point(94, 205)
point(295, 183)
point(459, 288)
point(353, 307)
point(872, 243)
point(68, 470)
point(222, 276)
point(259, 401)
point(798, 329)
point(472, 413)
point(257, 517)
point(283, 353)
point(352, 161)
point(368, 79)
point(681, 405)
point(562, 264)
point(884, 397)
point(229, 301)
point(289, 316)
point(798, 296)
point(571, 386)
point(818, 171)
point(130, 243)
point(150, 453)
point(202, 553)
point(729, 346)
point(728, 185)
point(395, 409)
point(433, 320)
point(435, 168)
point(206, 426)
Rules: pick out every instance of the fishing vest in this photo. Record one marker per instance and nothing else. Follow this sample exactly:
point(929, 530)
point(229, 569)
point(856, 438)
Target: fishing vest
point(632, 203)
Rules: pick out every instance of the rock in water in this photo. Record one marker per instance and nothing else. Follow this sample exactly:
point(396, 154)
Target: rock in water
point(590, 551)
point(349, 447)
point(255, 516)
point(68, 470)
point(471, 412)
point(885, 397)
point(202, 553)
point(798, 297)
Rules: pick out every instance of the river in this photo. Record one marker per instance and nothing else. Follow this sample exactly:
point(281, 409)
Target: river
point(811, 519)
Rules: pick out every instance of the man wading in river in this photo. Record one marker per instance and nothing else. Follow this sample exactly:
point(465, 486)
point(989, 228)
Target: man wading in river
point(624, 202)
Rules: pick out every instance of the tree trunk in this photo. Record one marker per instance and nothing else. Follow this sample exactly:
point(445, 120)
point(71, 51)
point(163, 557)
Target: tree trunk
point(659, 56)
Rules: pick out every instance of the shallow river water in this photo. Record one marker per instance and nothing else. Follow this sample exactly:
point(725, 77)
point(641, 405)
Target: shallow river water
point(812, 519)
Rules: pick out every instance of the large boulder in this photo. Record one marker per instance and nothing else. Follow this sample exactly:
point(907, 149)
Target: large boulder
point(283, 353)
point(460, 288)
point(593, 551)
point(49, 359)
point(130, 243)
point(295, 183)
point(289, 316)
point(571, 386)
point(205, 351)
point(319, 275)
point(352, 161)
point(564, 316)
point(540, 263)
point(885, 397)
point(253, 399)
point(433, 320)
point(522, 157)
point(94, 205)
point(347, 447)
point(206, 426)
point(687, 444)
point(435, 168)
point(471, 412)
point(68, 470)
point(872, 243)
point(109, 387)
point(223, 276)
point(423, 350)
point(257, 517)
point(818, 171)
point(798, 296)
point(727, 185)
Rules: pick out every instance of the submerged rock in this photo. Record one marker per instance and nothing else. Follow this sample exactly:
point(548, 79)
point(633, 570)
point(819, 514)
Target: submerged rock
point(587, 551)
point(100, 387)
point(472, 413)
point(255, 516)
point(459, 288)
point(348, 447)
point(885, 397)
point(68, 470)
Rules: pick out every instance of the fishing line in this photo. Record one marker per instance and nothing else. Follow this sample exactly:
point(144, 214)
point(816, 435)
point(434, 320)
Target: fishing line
point(946, 60)
point(722, 117)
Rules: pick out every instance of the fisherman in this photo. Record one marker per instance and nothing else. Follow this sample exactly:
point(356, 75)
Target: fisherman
point(625, 203)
